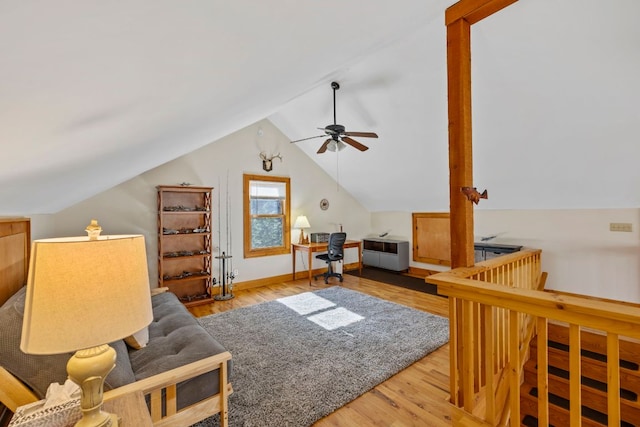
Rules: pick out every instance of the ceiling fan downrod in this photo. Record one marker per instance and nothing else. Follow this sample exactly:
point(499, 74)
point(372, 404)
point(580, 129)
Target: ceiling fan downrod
point(335, 86)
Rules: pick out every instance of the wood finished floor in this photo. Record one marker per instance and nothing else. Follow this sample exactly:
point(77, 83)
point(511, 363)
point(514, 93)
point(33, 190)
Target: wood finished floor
point(416, 396)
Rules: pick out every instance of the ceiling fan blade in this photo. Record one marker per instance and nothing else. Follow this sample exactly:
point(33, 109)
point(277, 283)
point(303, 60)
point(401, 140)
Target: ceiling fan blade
point(304, 139)
point(324, 146)
point(362, 134)
point(354, 143)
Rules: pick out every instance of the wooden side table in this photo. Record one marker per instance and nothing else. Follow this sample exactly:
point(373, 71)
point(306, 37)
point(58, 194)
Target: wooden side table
point(131, 410)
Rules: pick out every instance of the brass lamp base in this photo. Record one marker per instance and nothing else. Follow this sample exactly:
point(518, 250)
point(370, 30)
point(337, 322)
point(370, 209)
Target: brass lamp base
point(88, 368)
point(304, 240)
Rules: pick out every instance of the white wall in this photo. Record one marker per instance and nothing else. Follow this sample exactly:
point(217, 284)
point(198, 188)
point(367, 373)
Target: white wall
point(42, 226)
point(579, 252)
point(132, 206)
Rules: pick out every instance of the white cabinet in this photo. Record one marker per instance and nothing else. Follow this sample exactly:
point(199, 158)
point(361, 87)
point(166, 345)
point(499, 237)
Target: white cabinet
point(386, 253)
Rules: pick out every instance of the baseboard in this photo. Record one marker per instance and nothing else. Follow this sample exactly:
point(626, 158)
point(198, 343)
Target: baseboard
point(273, 280)
point(421, 272)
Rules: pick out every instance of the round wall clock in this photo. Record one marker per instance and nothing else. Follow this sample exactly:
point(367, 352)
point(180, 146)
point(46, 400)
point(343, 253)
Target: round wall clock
point(324, 204)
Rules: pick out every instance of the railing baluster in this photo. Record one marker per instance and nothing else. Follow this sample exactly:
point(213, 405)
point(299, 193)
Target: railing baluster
point(454, 348)
point(468, 350)
point(514, 368)
point(543, 374)
point(575, 373)
point(489, 362)
point(478, 348)
point(613, 378)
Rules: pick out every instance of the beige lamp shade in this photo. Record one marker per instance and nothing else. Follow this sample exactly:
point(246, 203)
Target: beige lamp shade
point(301, 222)
point(83, 293)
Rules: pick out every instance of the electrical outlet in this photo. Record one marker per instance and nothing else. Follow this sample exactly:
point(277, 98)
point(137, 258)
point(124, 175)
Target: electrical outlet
point(235, 272)
point(620, 226)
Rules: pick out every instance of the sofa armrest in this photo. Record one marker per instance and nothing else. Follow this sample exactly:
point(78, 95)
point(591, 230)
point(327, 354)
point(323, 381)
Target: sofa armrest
point(13, 393)
point(162, 389)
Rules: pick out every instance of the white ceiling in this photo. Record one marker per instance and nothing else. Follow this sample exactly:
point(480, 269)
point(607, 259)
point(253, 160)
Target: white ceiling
point(93, 93)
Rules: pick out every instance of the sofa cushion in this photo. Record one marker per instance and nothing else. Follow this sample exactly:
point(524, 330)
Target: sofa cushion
point(38, 371)
point(176, 339)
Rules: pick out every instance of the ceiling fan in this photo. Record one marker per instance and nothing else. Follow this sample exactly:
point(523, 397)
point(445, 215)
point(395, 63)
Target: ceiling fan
point(338, 136)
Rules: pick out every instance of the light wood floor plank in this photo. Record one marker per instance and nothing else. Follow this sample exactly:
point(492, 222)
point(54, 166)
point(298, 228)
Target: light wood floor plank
point(416, 396)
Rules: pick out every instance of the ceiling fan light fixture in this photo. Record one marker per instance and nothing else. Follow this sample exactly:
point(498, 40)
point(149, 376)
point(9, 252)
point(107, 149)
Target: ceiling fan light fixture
point(336, 146)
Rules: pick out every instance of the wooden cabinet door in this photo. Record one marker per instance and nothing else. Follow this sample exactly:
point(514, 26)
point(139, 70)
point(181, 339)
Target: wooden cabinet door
point(431, 238)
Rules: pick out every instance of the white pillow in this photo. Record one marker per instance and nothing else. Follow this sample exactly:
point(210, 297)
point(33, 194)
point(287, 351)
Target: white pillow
point(139, 339)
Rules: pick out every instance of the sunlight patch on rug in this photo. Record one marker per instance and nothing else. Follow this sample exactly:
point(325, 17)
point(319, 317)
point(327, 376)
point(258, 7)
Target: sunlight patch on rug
point(336, 318)
point(306, 303)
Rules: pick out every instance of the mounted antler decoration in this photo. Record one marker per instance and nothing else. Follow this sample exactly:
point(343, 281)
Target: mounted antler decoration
point(473, 195)
point(267, 163)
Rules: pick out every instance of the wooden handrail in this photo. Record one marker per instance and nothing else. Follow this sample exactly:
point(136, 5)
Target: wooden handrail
point(596, 314)
point(496, 307)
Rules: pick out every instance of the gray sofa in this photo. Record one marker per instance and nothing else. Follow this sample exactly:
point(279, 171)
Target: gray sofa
point(176, 340)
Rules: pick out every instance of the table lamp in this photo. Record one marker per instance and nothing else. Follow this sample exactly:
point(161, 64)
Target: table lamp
point(83, 293)
point(302, 222)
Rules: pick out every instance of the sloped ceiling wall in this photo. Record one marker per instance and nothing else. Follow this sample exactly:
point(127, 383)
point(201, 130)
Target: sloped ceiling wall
point(94, 93)
point(554, 119)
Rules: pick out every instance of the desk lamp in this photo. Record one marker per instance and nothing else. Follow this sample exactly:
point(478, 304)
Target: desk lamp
point(82, 293)
point(302, 222)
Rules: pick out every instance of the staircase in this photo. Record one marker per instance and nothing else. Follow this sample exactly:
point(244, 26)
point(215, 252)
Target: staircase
point(594, 381)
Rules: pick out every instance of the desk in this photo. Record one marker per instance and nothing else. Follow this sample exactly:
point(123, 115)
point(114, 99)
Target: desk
point(310, 248)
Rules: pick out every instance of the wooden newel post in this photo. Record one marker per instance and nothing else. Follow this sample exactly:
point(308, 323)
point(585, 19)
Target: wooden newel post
point(459, 18)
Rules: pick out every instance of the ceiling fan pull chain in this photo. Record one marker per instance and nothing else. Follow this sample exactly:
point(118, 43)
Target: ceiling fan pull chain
point(337, 171)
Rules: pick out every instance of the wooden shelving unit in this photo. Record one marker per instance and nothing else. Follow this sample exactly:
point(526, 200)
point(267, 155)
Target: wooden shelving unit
point(185, 243)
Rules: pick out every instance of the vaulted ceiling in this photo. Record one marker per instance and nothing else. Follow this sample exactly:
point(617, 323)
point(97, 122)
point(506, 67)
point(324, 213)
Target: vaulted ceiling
point(94, 93)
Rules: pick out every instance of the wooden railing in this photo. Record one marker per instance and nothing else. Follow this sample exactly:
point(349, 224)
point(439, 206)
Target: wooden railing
point(495, 307)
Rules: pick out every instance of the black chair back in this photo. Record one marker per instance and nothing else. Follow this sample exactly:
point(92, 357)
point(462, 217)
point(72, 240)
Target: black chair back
point(335, 249)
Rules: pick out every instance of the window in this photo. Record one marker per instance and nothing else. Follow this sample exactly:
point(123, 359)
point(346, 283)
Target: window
point(266, 216)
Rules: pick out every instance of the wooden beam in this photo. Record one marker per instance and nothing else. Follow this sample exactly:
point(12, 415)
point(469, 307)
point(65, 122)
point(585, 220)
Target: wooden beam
point(459, 18)
point(460, 153)
point(474, 11)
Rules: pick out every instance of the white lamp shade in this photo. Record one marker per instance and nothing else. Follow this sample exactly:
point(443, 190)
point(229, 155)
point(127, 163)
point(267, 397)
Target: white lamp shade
point(83, 293)
point(301, 222)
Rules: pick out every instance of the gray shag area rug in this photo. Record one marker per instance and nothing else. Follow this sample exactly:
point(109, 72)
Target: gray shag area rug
point(299, 358)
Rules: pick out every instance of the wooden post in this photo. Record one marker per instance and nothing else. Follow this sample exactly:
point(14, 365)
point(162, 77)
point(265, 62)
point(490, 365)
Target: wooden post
point(460, 148)
point(459, 18)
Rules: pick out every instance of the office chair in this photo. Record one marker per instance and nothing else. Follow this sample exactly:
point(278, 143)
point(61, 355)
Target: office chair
point(335, 252)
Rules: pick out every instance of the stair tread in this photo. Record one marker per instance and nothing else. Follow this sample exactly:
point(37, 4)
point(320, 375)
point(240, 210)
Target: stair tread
point(593, 381)
point(558, 415)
